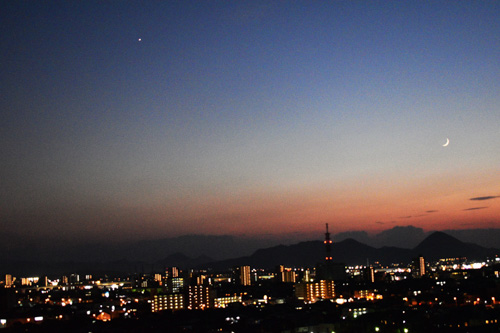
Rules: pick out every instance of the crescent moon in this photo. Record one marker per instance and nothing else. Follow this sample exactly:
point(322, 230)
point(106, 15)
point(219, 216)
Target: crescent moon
point(447, 142)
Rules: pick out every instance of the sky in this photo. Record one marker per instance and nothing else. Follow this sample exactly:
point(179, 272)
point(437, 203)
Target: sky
point(125, 120)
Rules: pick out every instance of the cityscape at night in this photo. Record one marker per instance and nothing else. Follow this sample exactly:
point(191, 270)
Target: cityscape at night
point(250, 166)
point(453, 294)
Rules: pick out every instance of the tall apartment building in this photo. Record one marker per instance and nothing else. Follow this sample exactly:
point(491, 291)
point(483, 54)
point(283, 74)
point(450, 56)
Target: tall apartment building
point(200, 297)
point(418, 267)
point(9, 281)
point(286, 274)
point(245, 276)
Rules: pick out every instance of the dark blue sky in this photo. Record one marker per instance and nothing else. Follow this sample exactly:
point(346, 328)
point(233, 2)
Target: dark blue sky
point(159, 118)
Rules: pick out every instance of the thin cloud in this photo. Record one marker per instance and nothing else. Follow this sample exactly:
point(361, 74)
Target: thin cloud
point(489, 197)
point(432, 211)
point(476, 208)
point(380, 222)
point(405, 217)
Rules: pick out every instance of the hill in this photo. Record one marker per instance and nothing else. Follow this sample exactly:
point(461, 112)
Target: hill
point(304, 254)
point(351, 252)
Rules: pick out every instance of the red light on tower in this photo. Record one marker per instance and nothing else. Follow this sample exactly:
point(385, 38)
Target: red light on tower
point(328, 243)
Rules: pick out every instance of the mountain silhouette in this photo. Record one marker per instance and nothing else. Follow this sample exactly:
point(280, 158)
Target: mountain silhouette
point(351, 252)
point(182, 261)
point(304, 254)
point(441, 245)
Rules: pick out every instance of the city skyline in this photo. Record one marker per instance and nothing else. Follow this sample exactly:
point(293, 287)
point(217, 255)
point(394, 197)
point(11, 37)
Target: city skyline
point(126, 121)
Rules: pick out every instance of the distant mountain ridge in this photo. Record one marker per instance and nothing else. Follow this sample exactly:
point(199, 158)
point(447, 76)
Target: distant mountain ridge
point(304, 254)
point(351, 252)
point(17, 248)
point(182, 261)
point(410, 236)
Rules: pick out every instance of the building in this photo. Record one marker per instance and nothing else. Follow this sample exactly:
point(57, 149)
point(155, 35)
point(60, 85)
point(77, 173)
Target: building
point(74, 278)
point(286, 275)
point(174, 301)
point(64, 280)
point(173, 272)
point(418, 267)
point(368, 274)
point(314, 291)
point(244, 275)
point(200, 297)
point(307, 276)
point(368, 294)
point(289, 276)
point(279, 273)
point(421, 265)
point(175, 285)
point(9, 281)
point(222, 302)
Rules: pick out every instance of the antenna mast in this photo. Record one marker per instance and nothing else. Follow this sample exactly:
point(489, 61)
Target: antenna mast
point(328, 245)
